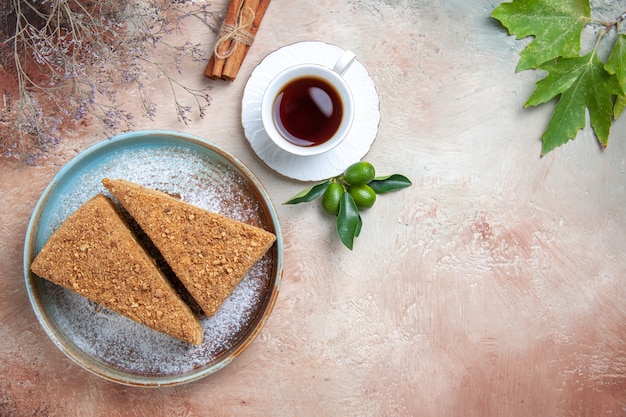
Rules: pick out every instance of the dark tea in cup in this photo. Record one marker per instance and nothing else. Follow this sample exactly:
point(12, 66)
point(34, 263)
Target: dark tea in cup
point(308, 111)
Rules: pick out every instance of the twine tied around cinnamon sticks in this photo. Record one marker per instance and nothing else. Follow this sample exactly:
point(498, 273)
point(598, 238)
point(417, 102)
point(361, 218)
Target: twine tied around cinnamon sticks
point(237, 33)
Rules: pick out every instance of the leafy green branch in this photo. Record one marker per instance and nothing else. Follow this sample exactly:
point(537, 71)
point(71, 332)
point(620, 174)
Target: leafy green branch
point(580, 84)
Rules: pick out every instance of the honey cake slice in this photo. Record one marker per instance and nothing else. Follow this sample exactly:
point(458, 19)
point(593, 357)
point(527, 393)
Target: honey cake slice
point(95, 254)
point(209, 253)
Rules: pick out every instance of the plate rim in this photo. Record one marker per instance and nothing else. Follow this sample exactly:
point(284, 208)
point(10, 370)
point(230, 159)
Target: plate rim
point(107, 370)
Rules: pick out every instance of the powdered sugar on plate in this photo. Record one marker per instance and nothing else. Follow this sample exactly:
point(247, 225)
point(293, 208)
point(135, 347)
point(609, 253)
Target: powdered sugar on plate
point(194, 172)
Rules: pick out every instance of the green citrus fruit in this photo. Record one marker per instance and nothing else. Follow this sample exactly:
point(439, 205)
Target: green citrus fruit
point(359, 173)
point(332, 197)
point(363, 195)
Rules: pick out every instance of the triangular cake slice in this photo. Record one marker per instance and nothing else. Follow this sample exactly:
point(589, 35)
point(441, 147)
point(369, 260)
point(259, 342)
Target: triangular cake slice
point(95, 254)
point(209, 253)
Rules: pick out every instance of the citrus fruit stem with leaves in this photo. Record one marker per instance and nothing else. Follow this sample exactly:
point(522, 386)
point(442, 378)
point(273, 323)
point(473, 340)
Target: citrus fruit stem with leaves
point(345, 195)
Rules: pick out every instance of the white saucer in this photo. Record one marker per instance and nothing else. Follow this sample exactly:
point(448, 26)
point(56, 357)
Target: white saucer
point(328, 164)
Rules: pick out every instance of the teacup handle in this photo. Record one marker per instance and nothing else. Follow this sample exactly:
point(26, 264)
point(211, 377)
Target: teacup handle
point(344, 62)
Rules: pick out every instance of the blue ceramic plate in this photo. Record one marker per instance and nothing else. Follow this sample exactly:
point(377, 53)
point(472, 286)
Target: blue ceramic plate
point(107, 343)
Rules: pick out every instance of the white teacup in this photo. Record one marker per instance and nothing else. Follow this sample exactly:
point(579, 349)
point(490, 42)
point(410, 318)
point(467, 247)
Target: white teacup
point(308, 109)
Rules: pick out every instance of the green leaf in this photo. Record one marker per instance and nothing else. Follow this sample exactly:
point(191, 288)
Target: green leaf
point(309, 194)
point(555, 24)
point(620, 105)
point(616, 65)
point(582, 83)
point(359, 226)
point(388, 183)
point(349, 221)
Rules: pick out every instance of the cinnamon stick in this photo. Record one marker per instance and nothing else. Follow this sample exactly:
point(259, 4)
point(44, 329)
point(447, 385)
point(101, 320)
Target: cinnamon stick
point(216, 64)
point(236, 47)
point(234, 61)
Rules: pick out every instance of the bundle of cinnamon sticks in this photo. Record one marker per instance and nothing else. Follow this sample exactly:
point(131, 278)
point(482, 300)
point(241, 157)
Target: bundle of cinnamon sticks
point(239, 27)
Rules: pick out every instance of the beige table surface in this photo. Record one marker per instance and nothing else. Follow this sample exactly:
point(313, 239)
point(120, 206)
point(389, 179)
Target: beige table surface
point(494, 286)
